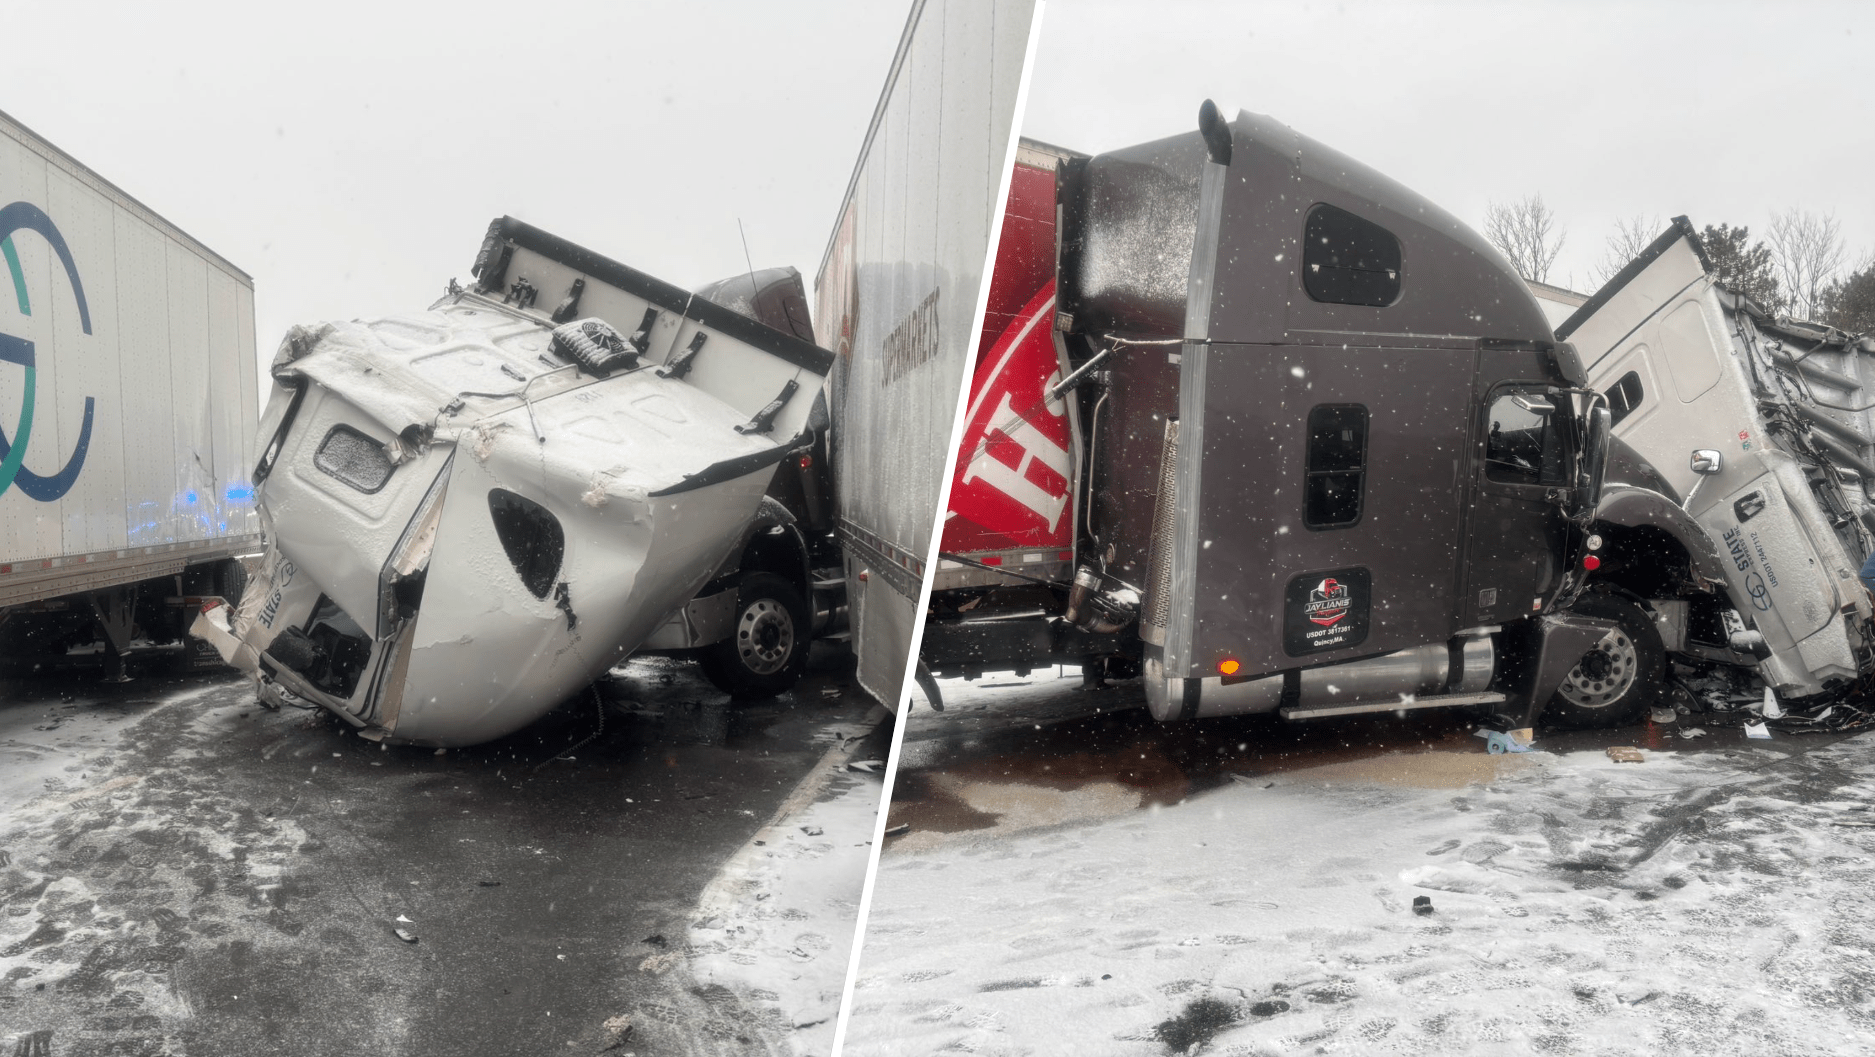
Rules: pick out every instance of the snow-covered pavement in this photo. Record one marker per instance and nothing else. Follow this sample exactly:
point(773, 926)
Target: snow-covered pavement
point(1710, 903)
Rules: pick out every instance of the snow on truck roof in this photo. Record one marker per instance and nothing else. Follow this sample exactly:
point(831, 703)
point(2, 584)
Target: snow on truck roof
point(1131, 217)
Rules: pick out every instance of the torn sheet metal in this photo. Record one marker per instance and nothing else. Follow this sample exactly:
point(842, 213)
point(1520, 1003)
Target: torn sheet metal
point(471, 513)
point(1689, 365)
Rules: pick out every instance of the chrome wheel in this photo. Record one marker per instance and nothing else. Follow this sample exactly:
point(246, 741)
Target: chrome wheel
point(1604, 674)
point(765, 636)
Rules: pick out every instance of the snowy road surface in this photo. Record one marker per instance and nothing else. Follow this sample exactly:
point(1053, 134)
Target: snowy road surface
point(1713, 901)
point(184, 873)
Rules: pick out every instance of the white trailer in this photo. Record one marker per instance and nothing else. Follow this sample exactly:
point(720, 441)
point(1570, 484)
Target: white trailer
point(1689, 367)
point(128, 402)
point(899, 300)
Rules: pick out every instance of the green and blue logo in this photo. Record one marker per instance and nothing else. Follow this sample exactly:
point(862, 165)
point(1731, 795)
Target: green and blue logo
point(24, 216)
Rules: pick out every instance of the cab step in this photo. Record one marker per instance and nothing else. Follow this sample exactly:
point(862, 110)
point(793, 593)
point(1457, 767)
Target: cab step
point(1483, 697)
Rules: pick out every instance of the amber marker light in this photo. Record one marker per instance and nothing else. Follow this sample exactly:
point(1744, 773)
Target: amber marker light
point(1227, 666)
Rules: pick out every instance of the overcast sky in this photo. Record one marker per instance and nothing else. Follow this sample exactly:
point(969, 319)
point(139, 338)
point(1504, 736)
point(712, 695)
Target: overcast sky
point(1725, 112)
point(349, 156)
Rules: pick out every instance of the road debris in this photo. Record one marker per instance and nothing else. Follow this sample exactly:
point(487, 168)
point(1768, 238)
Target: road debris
point(1625, 754)
point(868, 766)
point(406, 935)
point(617, 1030)
point(1692, 732)
point(812, 831)
point(893, 831)
point(1422, 905)
point(1757, 730)
point(1498, 742)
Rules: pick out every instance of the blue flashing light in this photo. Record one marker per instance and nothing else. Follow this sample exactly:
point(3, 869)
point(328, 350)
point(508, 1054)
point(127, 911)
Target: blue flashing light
point(240, 493)
point(189, 498)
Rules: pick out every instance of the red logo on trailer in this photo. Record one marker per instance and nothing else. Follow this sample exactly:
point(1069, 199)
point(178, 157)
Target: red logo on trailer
point(1014, 480)
point(1328, 602)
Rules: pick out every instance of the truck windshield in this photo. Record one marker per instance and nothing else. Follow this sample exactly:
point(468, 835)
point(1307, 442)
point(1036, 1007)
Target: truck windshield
point(1524, 438)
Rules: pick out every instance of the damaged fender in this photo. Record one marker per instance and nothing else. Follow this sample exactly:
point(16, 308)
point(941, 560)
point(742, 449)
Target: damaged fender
point(1633, 507)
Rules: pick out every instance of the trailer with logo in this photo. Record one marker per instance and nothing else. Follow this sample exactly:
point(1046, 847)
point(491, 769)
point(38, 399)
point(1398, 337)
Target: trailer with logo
point(128, 399)
point(897, 299)
point(1260, 426)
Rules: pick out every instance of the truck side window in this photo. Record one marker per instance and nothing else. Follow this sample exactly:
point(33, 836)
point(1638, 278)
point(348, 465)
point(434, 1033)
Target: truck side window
point(1524, 446)
point(1349, 261)
point(1624, 396)
point(1337, 465)
point(353, 458)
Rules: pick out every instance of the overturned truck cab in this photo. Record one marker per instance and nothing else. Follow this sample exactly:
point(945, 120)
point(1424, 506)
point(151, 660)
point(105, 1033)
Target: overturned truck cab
point(472, 512)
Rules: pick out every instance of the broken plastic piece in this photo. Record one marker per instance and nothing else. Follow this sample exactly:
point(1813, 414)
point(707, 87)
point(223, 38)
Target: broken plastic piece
point(869, 766)
point(1757, 730)
point(1693, 732)
point(812, 831)
point(406, 935)
point(893, 831)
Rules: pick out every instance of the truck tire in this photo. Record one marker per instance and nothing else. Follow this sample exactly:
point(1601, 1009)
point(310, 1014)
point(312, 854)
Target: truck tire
point(231, 581)
point(766, 650)
point(1615, 682)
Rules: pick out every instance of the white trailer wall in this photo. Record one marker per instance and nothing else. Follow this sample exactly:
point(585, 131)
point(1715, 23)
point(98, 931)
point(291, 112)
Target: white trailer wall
point(167, 368)
point(897, 299)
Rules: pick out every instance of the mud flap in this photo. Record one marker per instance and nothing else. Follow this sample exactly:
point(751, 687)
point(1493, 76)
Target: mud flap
point(1560, 641)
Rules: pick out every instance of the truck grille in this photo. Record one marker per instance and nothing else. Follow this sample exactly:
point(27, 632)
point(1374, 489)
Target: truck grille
point(1158, 603)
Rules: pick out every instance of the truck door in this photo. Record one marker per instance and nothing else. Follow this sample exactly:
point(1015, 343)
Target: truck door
point(1513, 535)
point(1330, 506)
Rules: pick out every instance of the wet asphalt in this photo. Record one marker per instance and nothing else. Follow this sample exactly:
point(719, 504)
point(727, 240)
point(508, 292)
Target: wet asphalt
point(230, 879)
point(1048, 731)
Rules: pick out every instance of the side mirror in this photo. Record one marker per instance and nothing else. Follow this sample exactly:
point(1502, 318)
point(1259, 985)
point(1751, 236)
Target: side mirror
point(1594, 454)
point(1707, 462)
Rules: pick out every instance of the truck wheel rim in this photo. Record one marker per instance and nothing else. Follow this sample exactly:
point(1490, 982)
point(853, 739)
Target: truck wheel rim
point(765, 637)
point(1604, 674)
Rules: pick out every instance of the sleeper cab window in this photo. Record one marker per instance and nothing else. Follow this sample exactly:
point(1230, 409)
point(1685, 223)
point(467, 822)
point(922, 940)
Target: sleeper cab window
point(1336, 466)
point(353, 458)
point(1347, 260)
point(1624, 396)
point(1523, 438)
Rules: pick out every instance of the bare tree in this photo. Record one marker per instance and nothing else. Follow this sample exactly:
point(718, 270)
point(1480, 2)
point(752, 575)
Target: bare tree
point(1526, 233)
point(1807, 250)
point(1632, 235)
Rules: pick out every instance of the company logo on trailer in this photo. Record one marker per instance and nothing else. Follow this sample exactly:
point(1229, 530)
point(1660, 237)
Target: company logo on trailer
point(24, 216)
point(1014, 472)
point(1328, 602)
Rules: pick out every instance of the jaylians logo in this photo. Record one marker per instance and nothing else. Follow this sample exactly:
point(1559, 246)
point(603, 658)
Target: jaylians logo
point(24, 216)
point(1328, 602)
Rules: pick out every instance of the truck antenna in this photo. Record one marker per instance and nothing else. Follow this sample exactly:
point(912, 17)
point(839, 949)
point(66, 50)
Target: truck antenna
point(749, 260)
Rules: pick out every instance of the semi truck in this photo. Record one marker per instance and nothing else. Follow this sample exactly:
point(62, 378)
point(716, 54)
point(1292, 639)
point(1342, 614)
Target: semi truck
point(470, 513)
point(1259, 425)
point(128, 397)
point(1760, 428)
